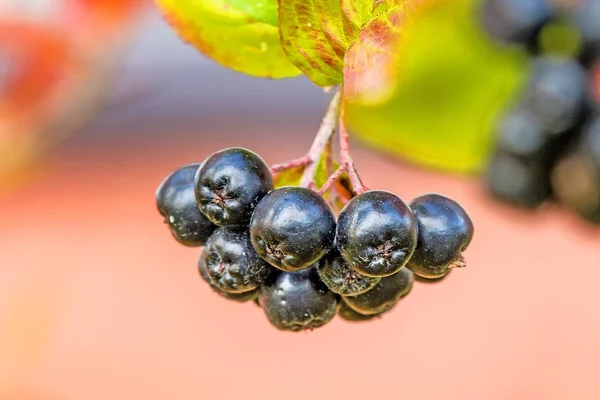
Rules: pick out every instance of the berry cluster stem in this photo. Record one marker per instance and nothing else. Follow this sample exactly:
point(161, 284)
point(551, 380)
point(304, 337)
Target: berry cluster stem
point(322, 140)
point(347, 162)
point(310, 161)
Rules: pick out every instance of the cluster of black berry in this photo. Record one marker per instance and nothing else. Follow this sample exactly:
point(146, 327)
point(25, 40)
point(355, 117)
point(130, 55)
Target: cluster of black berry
point(548, 141)
point(284, 248)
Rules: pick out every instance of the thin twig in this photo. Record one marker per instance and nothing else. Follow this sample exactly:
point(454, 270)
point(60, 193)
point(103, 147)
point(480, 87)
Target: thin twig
point(299, 162)
point(329, 171)
point(346, 159)
point(333, 178)
point(323, 137)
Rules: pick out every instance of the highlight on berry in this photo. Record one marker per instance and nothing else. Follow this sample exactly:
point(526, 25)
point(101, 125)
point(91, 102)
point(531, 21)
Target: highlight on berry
point(307, 240)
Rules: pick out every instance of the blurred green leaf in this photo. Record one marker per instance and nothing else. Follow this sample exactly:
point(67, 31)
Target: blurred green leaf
point(450, 84)
point(242, 35)
point(370, 64)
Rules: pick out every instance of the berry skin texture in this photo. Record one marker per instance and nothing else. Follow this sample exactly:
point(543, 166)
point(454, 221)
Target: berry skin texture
point(239, 297)
point(176, 202)
point(340, 278)
point(231, 262)
point(292, 228)
point(376, 233)
point(384, 295)
point(230, 184)
point(297, 301)
point(445, 231)
point(348, 314)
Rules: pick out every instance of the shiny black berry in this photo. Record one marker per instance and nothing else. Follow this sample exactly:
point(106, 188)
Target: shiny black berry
point(515, 21)
point(230, 184)
point(297, 301)
point(340, 278)
point(445, 231)
point(348, 314)
point(376, 233)
point(232, 262)
point(384, 295)
point(239, 297)
point(176, 202)
point(292, 228)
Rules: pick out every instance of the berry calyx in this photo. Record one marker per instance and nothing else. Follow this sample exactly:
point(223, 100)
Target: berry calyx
point(231, 261)
point(445, 231)
point(292, 228)
point(297, 301)
point(239, 297)
point(340, 278)
point(384, 295)
point(230, 184)
point(176, 202)
point(376, 233)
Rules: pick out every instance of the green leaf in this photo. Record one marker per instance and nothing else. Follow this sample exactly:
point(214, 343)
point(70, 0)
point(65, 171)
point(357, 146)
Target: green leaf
point(343, 187)
point(317, 33)
point(288, 177)
point(433, 97)
point(242, 35)
point(293, 176)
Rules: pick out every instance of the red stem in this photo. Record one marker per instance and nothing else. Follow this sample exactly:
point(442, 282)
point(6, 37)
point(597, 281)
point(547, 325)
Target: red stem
point(332, 179)
point(299, 162)
point(322, 139)
point(346, 159)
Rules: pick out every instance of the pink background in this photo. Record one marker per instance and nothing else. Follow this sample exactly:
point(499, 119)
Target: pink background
point(98, 302)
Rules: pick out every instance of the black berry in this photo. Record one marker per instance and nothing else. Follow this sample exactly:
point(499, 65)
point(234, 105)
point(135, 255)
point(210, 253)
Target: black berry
point(585, 19)
point(232, 262)
point(557, 93)
point(296, 301)
point(384, 295)
point(432, 280)
point(176, 202)
point(523, 183)
point(521, 133)
point(229, 185)
point(516, 21)
point(340, 278)
point(590, 140)
point(376, 233)
point(292, 228)
point(576, 176)
point(348, 314)
point(239, 297)
point(445, 231)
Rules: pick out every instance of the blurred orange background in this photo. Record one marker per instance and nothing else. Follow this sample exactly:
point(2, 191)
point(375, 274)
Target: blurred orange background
point(97, 301)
